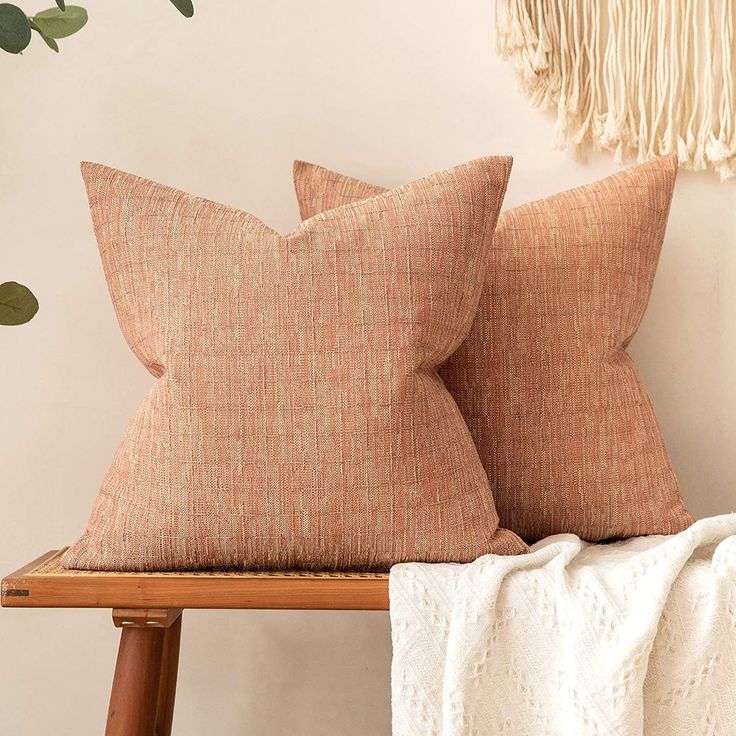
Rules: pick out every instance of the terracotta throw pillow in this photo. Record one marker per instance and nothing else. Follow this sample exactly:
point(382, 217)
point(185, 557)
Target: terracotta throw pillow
point(561, 420)
point(297, 419)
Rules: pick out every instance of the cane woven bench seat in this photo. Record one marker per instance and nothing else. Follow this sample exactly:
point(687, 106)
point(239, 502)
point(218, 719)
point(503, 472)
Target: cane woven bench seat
point(147, 607)
point(44, 583)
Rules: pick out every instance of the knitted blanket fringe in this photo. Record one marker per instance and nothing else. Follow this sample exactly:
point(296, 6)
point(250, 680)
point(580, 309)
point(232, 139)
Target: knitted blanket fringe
point(639, 77)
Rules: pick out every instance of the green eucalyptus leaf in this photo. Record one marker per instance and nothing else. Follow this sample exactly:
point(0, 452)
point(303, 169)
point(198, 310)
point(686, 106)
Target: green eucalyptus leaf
point(185, 7)
point(48, 41)
point(61, 4)
point(15, 29)
point(56, 23)
point(17, 304)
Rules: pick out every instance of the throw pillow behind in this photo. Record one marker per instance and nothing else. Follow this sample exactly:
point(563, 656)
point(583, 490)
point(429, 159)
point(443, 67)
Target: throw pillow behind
point(297, 419)
point(558, 412)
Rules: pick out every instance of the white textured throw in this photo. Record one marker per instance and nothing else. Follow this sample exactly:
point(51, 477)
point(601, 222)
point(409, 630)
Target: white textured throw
point(644, 77)
point(625, 639)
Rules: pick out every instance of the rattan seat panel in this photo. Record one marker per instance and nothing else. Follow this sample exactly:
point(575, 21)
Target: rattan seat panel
point(45, 583)
point(52, 566)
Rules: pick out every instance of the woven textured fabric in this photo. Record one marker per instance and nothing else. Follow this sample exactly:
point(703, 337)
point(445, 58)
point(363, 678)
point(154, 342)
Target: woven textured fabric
point(297, 420)
point(558, 412)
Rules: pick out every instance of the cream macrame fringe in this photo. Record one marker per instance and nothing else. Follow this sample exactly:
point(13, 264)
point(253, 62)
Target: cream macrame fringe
point(641, 77)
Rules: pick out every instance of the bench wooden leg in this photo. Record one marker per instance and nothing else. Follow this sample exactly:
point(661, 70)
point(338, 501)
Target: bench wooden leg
point(144, 684)
point(134, 694)
point(167, 684)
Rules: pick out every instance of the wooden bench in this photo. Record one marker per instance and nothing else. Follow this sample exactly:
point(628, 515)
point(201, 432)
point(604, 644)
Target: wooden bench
point(147, 607)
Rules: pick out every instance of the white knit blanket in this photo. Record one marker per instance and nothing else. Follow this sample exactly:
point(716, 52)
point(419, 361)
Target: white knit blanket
point(625, 639)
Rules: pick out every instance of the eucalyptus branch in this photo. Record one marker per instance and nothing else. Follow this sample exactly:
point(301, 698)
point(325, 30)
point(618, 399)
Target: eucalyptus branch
point(16, 28)
point(17, 302)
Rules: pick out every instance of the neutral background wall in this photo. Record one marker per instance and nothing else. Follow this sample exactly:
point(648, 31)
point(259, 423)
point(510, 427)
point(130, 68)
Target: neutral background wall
point(219, 106)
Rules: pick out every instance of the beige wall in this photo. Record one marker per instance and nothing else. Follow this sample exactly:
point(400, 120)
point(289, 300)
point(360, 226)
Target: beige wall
point(220, 106)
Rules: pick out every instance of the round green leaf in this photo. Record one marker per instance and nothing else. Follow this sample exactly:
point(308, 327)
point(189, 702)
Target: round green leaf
point(185, 7)
point(56, 23)
point(15, 30)
point(17, 304)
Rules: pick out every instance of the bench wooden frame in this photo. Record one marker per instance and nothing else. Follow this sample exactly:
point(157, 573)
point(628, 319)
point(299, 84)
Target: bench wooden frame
point(147, 607)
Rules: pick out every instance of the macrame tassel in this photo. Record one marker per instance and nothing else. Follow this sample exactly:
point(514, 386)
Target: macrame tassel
point(641, 78)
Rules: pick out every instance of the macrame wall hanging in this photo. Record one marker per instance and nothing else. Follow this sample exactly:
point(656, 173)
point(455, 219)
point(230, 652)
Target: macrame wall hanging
point(640, 77)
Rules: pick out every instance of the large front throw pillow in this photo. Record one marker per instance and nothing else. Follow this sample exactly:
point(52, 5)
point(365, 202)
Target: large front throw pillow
point(297, 419)
point(561, 419)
